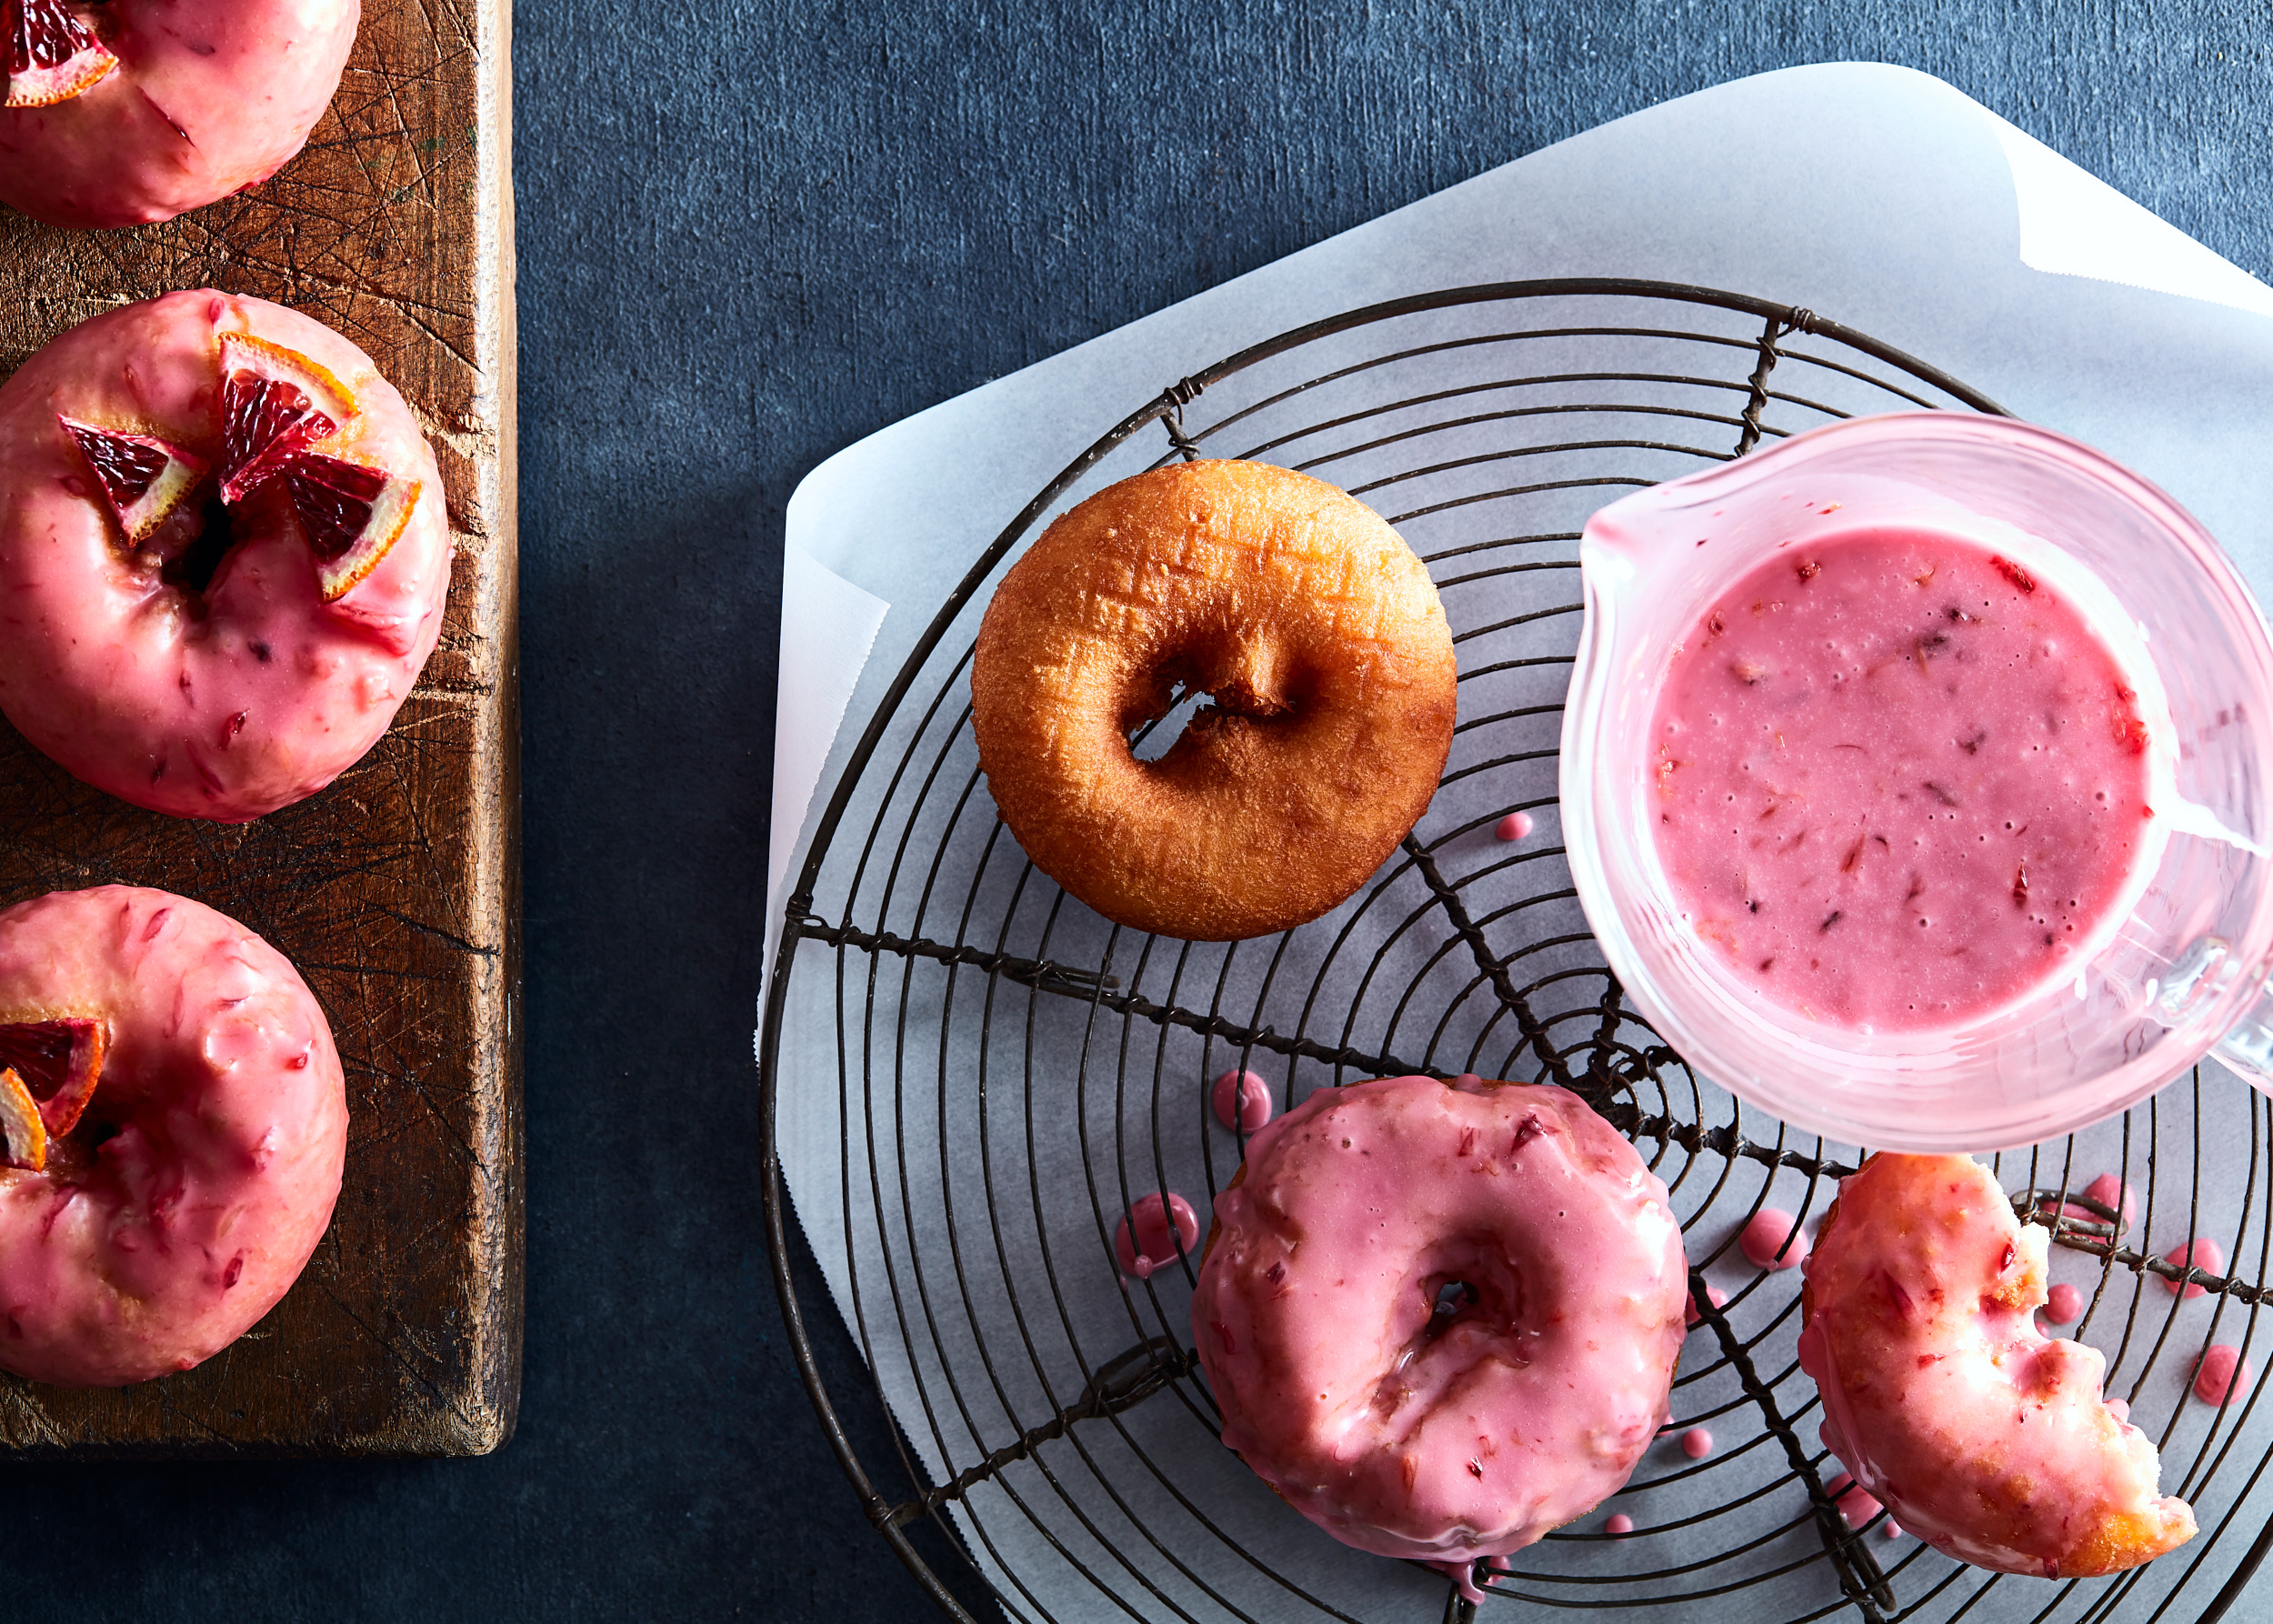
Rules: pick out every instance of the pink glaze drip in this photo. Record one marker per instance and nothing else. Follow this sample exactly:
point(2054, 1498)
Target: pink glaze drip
point(1855, 1503)
point(2205, 1254)
point(2064, 1305)
point(2112, 1192)
point(1765, 1236)
point(1899, 777)
point(1155, 1246)
point(1714, 1294)
point(2222, 1371)
point(1697, 1443)
point(1945, 1401)
point(1516, 825)
point(1619, 1523)
point(2120, 1411)
point(1894, 1528)
point(255, 693)
point(1253, 1097)
point(210, 97)
point(153, 1248)
point(1441, 1437)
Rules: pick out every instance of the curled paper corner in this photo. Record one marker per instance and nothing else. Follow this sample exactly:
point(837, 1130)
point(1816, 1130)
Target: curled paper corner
point(2073, 224)
point(828, 627)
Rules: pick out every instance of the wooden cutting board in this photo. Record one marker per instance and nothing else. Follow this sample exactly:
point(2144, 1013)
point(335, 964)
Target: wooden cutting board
point(396, 891)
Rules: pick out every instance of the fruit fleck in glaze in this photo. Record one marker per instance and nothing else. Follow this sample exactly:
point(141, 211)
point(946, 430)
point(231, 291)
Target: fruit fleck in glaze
point(1441, 1320)
point(202, 99)
point(202, 1169)
point(1898, 780)
point(232, 699)
point(1984, 1438)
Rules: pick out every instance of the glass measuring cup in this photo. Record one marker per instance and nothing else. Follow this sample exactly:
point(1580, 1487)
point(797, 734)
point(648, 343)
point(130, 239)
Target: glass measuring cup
point(2179, 973)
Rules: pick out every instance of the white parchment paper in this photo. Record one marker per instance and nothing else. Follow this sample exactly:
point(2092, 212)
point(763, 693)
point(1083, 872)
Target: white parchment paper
point(957, 1151)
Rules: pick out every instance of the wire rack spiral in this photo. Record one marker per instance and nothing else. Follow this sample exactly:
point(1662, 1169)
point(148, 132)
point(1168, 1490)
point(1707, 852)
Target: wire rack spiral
point(970, 1078)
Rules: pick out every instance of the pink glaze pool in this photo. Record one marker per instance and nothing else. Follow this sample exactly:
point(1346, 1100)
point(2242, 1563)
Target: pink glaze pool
point(1900, 779)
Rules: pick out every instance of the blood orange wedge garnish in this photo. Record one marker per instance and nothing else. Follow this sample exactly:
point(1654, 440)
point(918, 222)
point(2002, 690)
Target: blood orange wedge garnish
point(352, 515)
point(274, 405)
point(51, 55)
point(141, 477)
point(19, 1119)
point(59, 1062)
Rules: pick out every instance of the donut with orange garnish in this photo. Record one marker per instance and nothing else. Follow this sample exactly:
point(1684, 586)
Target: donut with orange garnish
point(1984, 1437)
point(176, 1123)
point(133, 111)
point(224, 552)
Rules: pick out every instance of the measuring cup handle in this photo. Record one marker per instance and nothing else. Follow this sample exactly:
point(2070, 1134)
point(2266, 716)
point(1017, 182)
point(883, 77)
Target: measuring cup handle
point(2246, 1049)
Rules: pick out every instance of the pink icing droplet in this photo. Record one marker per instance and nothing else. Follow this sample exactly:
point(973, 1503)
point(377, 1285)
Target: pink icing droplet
point(2103, 1190)
point(1253, 1100)
point(1697, 1443)
point(1768, 1230)
point(1619, 1523)
point(2066, 1305)
point(1689, 1316)
point(2223, 1370)
point(1154, 1244)
point(2205, 1255)
point(1856, 1504)
point(1894, 1528)
point(1515, 825)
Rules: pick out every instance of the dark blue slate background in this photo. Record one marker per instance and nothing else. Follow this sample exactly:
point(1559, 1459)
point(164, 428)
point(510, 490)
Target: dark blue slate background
point(749, 235)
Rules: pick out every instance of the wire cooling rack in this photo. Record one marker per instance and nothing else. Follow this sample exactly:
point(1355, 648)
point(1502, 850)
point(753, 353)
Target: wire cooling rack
point(970, 1077)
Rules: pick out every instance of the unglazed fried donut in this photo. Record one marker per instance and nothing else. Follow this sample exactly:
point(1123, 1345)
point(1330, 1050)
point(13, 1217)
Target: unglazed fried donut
point(1316, 632)
point(188, 1171)
point(1983, 1438)
point(1398, 1418)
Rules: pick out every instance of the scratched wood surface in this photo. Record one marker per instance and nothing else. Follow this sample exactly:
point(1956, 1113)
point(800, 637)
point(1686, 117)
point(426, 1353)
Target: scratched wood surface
point(396, 891)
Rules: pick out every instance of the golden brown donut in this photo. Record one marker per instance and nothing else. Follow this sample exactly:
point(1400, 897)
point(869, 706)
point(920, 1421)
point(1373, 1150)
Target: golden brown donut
point(1305, 619)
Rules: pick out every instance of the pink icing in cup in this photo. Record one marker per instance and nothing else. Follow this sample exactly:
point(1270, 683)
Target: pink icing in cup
point(2169, 939)
point(1898, 780)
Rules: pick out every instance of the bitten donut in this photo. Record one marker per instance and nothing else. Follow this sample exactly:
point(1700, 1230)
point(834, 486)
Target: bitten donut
point(194, 1123)
point(224, 550)
point(1985, 1439)
point(1307, 622)
point(133, 111)
point(1441, 1319)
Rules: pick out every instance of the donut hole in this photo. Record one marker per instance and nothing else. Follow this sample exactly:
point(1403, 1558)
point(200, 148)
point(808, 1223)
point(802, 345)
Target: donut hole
point(1208, 699)
point(1453, 1299)
point(1155, 736)
point(191, 570)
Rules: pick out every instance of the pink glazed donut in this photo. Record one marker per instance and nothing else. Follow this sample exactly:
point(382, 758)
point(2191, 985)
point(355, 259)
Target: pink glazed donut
point(1989, 1441)
point(195, 1180)
point(164, 105)
point(1441, 1320)
point(231, 699)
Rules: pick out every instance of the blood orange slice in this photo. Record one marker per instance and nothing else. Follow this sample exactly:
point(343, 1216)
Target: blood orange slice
point(51, 55)
point(19, 1121)
point(58, 1062)
point(352, 514)
point(274, 405)
point(141, 477)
